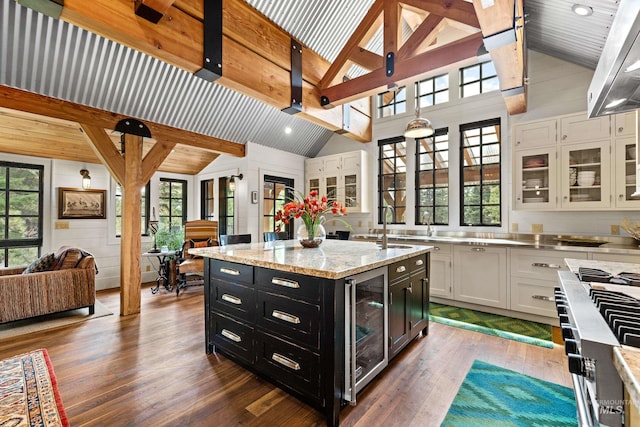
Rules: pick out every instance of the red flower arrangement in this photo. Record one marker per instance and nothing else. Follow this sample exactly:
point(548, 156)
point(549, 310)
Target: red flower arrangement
point(312, 211)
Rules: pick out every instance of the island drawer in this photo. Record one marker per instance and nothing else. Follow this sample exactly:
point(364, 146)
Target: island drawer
point(294, 285)
point(233, 337)
point(295, 320)
point(288, 364)
point(231, 271)
point(234, 299)
point(407, 266)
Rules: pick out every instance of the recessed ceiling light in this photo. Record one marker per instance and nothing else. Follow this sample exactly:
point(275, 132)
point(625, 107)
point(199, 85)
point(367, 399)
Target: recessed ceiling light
point(287, 130)
point(582, 10)
point(615, 103)
point(632, 67)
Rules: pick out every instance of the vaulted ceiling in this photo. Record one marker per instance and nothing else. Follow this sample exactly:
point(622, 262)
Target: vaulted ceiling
point(152, 77)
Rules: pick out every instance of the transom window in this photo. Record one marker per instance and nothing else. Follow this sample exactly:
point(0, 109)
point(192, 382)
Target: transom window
point(144, 210)
point(392, 179)
point(432, 91)
point(432, 179)
point(172, 203)
point(480, 173)
point(477, 79)
point(392, 102)
point(21, 189)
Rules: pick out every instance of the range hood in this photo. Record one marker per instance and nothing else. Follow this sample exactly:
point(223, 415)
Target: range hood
point(615, 87)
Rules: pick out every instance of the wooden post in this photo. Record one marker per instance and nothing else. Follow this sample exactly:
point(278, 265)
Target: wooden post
point(130, 243)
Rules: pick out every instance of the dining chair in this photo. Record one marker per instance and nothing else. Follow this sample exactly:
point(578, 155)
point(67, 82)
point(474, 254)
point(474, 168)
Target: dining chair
point(230, 239)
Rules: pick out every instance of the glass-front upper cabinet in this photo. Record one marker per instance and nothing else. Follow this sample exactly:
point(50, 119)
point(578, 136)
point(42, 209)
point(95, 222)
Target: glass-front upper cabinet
point(584, 172)
point(535, 186)
point(624, 173)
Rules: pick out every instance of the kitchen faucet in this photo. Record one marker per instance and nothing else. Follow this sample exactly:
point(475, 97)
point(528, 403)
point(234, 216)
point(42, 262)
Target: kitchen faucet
point(428, 215)
point(384, 225)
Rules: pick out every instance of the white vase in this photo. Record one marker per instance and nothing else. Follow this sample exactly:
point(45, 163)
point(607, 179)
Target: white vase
point(302, 234)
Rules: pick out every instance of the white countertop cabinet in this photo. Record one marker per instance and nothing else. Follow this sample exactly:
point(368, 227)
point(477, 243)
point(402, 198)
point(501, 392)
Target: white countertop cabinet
point(440, 283)
point(480, 275)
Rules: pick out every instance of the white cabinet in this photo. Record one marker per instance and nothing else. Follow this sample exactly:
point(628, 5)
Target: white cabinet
point(624, 173)
point(535, 179)
point(534, 275)
point(580, 128)
point(480, 275)
point(342, 177)
point(440, 271)
point(536, 134)
point(624, 124)
point(585, 175)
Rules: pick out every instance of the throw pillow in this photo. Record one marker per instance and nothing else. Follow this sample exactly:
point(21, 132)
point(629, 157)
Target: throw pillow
point(200, 243)
point(44, 263)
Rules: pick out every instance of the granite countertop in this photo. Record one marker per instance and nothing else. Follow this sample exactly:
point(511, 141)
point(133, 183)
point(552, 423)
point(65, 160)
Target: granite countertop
point(627, 362)
point(334, 259)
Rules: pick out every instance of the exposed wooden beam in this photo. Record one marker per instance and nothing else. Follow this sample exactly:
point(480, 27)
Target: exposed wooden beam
point(256, 56)
point(422, 37)
point(405, 70)
point(103, 146)
point(160, 6)
point(46, 106)
point(392, 29)
point(366, 59)
point(337, 68)
point(458, 10)
point(154, 159)
point(131, 242)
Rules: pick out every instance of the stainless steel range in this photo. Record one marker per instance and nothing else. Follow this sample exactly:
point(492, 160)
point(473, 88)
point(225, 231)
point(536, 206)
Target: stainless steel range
point(593, 321)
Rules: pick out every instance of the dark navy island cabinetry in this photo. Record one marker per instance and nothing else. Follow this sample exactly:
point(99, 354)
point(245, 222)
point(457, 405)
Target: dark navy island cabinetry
point(289, 327)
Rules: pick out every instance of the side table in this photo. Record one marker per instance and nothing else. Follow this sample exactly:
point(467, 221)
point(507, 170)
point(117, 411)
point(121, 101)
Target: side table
point(166, 269)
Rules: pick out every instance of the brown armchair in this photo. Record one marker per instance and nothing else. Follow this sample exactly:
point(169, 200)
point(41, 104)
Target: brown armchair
point(190, 268)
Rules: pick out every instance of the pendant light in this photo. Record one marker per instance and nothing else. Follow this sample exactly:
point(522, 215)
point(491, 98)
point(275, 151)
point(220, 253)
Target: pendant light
point(418, 127)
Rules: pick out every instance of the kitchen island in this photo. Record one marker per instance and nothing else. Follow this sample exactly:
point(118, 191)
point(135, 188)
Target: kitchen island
point(284, 311)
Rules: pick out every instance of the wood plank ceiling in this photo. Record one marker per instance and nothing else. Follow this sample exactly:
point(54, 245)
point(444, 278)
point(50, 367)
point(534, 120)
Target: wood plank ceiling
point(422, 34)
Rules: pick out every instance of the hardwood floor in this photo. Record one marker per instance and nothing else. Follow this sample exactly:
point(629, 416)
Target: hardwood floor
point(152, 370)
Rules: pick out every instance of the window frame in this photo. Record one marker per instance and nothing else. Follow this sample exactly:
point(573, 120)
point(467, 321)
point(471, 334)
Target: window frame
point(418, 95)
point(6, 245)
point(479, 125)
point(289, 184)
point(146, 199)
point(184, 185)
point(205, 198)
point(225, 196)
point(432, 207)
point(392, 103)
point(481, 78)
point(395, 206)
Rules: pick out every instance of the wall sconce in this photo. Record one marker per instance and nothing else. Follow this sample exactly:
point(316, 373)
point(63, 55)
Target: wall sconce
point(86, 179)
point(232, 182)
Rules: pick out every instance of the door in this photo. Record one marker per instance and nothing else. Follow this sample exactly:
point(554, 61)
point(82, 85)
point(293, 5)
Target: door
point(535, 179)
point(585, 175)
point(276, 192)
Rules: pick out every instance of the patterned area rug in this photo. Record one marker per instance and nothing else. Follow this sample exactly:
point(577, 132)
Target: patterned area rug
point(494, 396)
point(492, 324)
point(29, 392)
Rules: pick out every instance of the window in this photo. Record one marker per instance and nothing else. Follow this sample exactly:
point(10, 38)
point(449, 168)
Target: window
point(144, 210)
point(392, 179)
point(392, 102)
point(479, 78)
point(432, 179)
point(432, 91)
point(172, 203)
point(21, 189)
point(276, 192)
point(480, 173)
point(207, 202)
point(226, 209)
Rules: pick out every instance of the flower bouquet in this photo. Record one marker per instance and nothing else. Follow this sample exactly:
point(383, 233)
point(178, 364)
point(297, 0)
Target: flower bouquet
point(313, 213)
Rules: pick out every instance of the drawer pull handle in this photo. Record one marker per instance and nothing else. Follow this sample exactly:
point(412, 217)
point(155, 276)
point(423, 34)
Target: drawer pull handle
point(285, 282)
point(230, 271)
point(285, 361)
point(230, 335)
point(285, 316)
point(546, 265)
point(231, 299)
point(401, 269)
point(436, 248)
point(542, 297)
point(419, 262)
point(478, 249)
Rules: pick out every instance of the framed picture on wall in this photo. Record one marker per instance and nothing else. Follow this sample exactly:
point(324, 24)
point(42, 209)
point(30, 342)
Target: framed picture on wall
point(77, 203)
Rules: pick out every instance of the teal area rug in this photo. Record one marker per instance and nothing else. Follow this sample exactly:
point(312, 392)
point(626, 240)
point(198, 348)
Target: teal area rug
point(492, 324)
point(494, 396)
